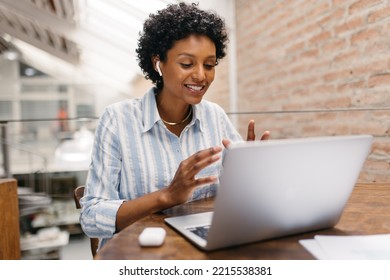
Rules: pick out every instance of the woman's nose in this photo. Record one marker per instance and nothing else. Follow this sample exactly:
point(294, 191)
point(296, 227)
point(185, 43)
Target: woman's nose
point(198, 73)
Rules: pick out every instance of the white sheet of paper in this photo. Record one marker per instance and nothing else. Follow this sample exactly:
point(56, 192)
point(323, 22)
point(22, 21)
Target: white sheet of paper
point(314, 248)
point(364, 247)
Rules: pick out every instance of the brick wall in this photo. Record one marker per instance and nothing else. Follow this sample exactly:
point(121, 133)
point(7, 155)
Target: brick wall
point(311, 58)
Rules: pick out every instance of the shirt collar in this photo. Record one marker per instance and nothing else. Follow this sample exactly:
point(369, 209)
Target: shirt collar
point(149, 113)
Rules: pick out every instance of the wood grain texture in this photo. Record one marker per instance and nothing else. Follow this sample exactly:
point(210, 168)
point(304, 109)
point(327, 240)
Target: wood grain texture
point(9, 220)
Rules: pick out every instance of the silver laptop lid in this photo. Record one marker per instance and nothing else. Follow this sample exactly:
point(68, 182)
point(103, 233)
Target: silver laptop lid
point(279, 187)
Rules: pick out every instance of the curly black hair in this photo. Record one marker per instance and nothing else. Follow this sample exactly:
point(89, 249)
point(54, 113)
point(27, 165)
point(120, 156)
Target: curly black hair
point(176, 22)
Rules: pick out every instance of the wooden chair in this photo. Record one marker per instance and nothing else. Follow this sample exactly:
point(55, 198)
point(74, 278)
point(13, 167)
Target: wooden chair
point(78, 193)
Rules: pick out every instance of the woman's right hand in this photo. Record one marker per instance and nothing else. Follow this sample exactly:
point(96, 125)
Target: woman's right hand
point(185, 180)
point(178, 192)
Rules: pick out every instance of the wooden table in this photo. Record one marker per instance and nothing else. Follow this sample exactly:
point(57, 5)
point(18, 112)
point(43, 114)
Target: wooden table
point(367, 212)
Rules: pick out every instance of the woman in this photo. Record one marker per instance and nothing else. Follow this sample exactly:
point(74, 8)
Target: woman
point(162, 150)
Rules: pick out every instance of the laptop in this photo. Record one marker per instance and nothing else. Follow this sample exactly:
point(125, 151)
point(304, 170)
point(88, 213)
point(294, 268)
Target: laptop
point(275, 188)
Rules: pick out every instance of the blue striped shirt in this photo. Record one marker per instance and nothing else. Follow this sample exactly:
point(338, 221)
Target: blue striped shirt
point(135, 154)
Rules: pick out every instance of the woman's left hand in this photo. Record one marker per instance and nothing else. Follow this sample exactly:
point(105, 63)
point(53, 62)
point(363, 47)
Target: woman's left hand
point(251, 136)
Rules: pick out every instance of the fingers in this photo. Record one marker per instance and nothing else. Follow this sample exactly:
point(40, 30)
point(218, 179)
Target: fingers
point(251, 136)
point(226, 143)
point(206, 180)
point(204, 158)
point(200, 160)
point(251, 131)
point(184, 181)
point(266, 135)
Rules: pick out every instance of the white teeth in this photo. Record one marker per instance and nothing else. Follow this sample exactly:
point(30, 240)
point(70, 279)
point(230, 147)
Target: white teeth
point(195, 87)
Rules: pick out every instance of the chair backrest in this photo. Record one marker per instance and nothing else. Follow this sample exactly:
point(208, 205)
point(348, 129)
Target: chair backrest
point(78, 193)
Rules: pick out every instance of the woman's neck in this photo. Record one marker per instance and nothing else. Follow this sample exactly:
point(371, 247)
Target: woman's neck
point(175, 116)
point(173, 112)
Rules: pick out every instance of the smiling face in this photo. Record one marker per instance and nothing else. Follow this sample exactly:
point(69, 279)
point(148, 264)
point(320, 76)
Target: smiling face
point(188, 70)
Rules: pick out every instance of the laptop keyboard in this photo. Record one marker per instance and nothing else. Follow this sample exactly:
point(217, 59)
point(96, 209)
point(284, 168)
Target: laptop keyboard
point(201, 231)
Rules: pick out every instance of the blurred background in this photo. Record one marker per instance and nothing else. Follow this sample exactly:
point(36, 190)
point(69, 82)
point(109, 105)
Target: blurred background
point(298, 68)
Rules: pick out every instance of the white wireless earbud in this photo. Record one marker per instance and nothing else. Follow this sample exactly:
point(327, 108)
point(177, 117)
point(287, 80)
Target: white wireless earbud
point(158, 67)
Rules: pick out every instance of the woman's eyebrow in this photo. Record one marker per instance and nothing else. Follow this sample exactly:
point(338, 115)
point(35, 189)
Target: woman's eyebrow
point(191, 55)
